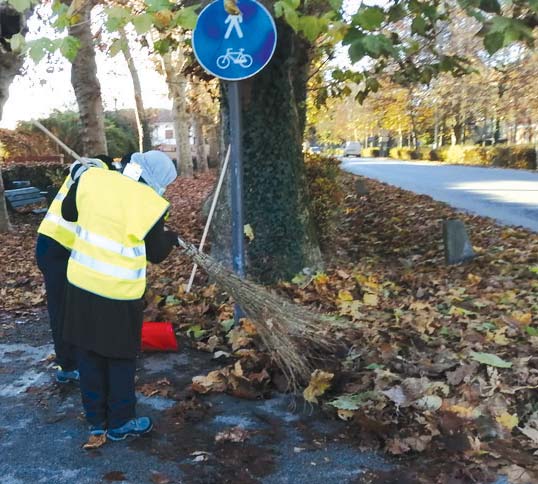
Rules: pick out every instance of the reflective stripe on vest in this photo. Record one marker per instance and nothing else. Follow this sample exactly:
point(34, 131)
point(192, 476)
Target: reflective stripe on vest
point(108, 269)
point(71, 226)
point(54, 225)
point(113, 246)
point(115, 214)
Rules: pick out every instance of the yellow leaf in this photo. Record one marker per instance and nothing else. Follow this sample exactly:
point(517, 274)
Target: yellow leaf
point(508, 421)
point(474, 280)
point(319, 382)
point(370, 299)
point(321, 278)
point(464, 412)
point(522, 318)
point(344, 295)
point(247, 229)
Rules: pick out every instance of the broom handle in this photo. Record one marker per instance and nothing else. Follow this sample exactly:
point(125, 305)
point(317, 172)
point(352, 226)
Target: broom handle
point(210, 216)
point(61, 144)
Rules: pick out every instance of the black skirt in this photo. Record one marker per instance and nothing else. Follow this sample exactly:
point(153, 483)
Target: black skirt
point(108, 327)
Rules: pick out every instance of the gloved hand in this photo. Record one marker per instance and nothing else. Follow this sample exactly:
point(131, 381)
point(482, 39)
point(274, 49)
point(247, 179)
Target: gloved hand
point(172, 237)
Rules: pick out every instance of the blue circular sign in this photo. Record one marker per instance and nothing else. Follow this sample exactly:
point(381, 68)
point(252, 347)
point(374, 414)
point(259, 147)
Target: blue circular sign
point(234, 47)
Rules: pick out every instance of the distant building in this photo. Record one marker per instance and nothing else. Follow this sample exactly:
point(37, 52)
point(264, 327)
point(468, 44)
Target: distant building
point(163, 136)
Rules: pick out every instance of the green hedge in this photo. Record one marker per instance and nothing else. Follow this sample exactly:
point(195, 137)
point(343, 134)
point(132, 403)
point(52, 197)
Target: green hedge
point(41, 176)
point(503, 156)
point(370, 152)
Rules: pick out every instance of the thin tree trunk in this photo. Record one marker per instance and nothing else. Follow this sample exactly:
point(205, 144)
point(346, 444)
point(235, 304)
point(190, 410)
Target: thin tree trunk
point(177, 88)
point(144, 142)
point(86, 84)
point(213, 140)
point(201, 158)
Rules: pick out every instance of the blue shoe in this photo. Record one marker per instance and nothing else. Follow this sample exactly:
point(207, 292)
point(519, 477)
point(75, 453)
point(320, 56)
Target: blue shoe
point(63, 376)
point(98, 429)
point(134, 427)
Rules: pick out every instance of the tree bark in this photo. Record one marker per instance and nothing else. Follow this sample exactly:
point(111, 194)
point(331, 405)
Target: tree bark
point(276, 197)
point(10, 63)
point(144, 140)
point(86, 84)
point(173, 64)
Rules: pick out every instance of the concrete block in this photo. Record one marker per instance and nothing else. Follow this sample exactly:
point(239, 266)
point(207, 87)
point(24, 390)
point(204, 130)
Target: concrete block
point(458, 247)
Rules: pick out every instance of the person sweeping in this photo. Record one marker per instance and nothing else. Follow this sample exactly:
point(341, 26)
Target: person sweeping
point(55, 240)
point(120, 220)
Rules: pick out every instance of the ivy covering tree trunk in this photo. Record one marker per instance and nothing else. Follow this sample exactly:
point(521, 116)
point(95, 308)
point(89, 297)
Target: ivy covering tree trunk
point(276, 197)
point(86, 84)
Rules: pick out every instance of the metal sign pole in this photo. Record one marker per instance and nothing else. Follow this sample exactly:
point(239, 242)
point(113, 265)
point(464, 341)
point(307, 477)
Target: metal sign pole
point(238, 245)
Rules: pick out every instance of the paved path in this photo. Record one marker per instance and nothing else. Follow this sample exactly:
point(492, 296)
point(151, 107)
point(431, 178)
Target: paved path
point(510, 196)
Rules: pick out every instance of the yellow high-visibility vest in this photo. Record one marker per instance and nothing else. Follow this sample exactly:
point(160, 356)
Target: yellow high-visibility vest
point(115, 213)
point(54, 225)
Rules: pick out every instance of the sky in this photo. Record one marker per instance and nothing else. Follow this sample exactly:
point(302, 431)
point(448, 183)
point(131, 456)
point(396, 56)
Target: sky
point(46, 87)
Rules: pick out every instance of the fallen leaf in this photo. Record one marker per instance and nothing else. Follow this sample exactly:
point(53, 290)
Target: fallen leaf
point(507, 421)
point(370, 299)
point(531, 433)
point(490, 360)
point(518, 475)
point(159, 478)
point(320, 381)
point(234, 434)
point(95, 441)
point(429, 403)
point(214, 381)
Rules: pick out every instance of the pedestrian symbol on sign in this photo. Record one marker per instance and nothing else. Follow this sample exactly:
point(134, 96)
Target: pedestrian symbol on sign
point(234, 22)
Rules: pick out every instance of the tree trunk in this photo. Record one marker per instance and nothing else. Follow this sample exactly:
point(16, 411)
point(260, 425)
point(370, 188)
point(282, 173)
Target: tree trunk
point(201, 158)
point(10, 64)
point(144, 140)
point(276, 197)
point(173, 64)
point(213, 141)
point(86, 85)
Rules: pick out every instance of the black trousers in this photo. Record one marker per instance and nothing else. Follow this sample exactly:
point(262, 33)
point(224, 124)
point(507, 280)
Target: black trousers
point(107, 386)
point(52, 259)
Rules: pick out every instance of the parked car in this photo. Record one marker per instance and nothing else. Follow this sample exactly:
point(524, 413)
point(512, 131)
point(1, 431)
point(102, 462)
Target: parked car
point(352, 148)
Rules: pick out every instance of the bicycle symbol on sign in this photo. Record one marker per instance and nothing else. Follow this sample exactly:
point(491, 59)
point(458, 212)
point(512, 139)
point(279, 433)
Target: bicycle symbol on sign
point(237, 57)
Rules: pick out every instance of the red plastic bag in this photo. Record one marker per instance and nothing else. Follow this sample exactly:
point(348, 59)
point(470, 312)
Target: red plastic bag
point(158, 336)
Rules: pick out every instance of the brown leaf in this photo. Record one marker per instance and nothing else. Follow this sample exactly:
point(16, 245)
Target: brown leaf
point(234, 434)
point(214, 381)
point(158, 478)
point(95, 441)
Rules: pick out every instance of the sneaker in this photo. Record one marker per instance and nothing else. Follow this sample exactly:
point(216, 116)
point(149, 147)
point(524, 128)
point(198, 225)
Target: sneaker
point(63, 376)
point(134, 427)
point(98, 429)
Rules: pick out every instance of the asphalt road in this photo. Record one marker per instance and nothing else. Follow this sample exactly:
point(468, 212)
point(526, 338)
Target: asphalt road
point(509, 196)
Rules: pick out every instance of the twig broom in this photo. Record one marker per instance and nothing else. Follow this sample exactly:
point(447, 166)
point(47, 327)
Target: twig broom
point(293, 335)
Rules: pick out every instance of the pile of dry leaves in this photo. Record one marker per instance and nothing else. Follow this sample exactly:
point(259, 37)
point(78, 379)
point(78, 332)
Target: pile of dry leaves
point(438, 360)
